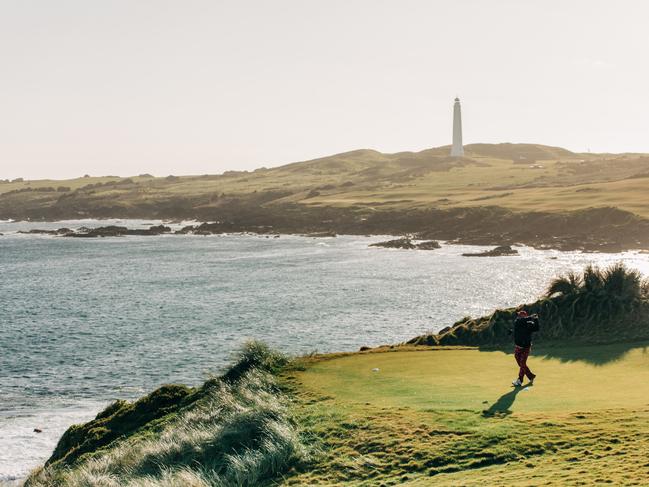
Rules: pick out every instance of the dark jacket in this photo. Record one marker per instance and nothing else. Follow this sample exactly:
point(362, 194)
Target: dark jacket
point(523, 329)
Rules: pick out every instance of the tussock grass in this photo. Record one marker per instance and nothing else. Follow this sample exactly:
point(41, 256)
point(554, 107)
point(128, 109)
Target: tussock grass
point(235, 432)
point(598, 306)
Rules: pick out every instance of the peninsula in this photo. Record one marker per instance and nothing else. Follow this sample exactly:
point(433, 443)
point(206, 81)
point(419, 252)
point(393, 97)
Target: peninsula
point(495, 194)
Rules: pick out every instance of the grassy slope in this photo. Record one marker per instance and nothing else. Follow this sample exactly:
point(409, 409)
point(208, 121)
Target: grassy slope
point(450, 414)
point(566, 181)
point(234, 430)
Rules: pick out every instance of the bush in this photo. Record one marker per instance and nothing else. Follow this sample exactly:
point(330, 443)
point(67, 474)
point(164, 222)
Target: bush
point(600, 305)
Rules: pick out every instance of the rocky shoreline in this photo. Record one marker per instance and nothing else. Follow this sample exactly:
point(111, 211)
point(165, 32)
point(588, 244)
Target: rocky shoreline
point(590, 230)
point(106, 231)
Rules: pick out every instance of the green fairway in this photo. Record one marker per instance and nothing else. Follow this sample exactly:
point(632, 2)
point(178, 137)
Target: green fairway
point(475, 380)
point(451, 417)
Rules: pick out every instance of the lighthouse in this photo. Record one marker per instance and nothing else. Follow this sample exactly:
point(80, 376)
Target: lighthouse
point(457, 150)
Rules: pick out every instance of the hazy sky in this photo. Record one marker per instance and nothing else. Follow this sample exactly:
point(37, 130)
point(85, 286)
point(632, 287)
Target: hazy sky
point(191, 87)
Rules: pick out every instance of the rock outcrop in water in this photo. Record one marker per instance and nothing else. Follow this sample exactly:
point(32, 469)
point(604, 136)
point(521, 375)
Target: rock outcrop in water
point(107, 231)
point(398, 243)
point(429, 245)
point(408, 244)
point(38, 231)
point(500, 251)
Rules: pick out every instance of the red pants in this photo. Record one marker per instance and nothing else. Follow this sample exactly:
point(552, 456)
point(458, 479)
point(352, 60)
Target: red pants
point(521, 354)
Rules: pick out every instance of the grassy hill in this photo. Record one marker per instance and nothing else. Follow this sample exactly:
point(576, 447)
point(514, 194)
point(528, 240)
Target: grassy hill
point(521, 177)
point(234, 430)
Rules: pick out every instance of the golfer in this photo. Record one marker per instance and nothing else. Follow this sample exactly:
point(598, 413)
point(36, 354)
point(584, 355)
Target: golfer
point(524, 326)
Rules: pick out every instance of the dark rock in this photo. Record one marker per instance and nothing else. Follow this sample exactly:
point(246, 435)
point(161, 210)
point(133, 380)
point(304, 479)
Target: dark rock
point(154, 230)
point(185, 230)
point(429, 245)
point(160, 229)
point(399, 243)
point(365, 349)
point(113, 231)
point(499, 251)
point(108, 231)
point(37, 231)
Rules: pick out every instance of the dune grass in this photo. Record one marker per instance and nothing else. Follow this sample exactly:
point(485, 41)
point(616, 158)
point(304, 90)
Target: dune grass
point(234, 431)
point(450, 417)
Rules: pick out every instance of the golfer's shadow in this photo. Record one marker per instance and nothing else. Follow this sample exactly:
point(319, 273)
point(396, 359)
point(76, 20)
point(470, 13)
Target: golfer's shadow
point(502, 406)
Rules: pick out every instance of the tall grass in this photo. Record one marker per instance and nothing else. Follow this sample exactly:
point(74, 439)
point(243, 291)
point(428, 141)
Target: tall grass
point(238, 433)
point(598, 305)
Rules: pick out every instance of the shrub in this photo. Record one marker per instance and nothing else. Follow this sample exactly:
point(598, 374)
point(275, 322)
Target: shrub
point(565, 285)
point(598, 305)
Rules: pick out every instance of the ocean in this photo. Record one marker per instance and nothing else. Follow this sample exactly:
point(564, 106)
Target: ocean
point(86, 321)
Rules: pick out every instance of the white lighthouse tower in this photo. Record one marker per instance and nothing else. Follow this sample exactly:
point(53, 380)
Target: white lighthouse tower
point(457, 150)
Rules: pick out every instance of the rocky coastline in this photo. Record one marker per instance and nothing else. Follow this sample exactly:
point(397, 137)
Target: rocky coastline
point(590, 230)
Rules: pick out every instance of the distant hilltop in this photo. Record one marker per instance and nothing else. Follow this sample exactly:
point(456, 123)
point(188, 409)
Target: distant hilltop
point(499, 151)
point(366, 191)
point(504, 151)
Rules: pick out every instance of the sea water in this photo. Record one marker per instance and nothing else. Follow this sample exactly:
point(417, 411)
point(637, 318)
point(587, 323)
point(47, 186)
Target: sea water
point(86, 321)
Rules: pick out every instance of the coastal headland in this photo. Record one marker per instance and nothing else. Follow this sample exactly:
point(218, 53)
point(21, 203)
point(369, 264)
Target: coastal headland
point(497, 194)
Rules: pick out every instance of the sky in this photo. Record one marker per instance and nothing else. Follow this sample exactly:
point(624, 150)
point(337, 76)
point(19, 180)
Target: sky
point(124, 87)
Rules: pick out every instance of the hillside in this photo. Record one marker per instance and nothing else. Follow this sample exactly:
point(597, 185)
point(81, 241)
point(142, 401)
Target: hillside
point(233, 430)
point(521, 177)
point(497, 194)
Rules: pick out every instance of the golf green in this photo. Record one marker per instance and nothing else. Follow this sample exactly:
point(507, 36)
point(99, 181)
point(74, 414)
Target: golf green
point(568, 379)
